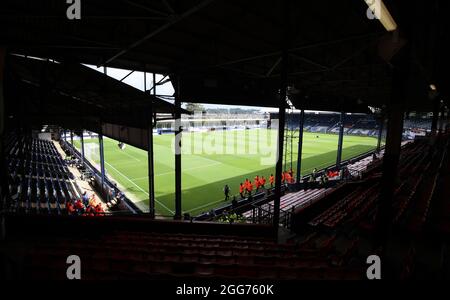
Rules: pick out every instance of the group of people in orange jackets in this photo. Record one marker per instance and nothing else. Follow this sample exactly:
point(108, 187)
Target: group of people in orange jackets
point(91, 207)
point(287, 176)
point(246, 188)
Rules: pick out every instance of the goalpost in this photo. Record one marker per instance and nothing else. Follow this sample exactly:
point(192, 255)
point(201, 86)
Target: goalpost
point(92, 153)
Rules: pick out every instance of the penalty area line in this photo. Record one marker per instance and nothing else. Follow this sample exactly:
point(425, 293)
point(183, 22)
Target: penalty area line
point(124, 176)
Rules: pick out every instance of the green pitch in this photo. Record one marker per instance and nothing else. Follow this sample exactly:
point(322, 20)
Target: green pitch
point(230, 157)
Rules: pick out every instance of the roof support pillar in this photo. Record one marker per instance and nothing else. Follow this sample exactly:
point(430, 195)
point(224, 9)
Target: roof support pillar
point(102, 161)
point(446, 122)
point(71, 141)
point(3, 176)
point(300, 145)
point(390, 166)
point(82, 148)
point(442, 120)
point(380, 132)
point(178, 150)
point(340, 139)
point(394, 131)
point(281, 113)
point(151, 171)
point(434, 120)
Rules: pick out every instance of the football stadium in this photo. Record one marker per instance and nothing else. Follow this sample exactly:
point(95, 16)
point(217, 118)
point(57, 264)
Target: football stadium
point(211, 141)
point(202, 184)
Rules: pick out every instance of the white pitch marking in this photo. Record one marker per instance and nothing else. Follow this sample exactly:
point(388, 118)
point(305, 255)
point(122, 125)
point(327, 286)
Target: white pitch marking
point(168, 209)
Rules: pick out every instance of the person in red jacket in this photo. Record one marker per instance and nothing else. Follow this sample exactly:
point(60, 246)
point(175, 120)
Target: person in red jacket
point(288, 177)
point(70, 208)
point(250, 188)
point(271, 180)
point(241, 190)
point(79, 206)
point(262, 182)
point(99, 209)
point(256, 181)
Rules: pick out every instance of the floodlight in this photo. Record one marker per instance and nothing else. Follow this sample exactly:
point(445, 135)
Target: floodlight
point(380, 12)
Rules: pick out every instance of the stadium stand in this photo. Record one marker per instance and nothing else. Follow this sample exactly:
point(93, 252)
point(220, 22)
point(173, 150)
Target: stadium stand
point(131, 254)
point(349, 73)
point(418, 123)
point(40, 181)
point(354, 124)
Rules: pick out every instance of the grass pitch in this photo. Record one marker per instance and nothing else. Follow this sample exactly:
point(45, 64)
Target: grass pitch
point(230, 157)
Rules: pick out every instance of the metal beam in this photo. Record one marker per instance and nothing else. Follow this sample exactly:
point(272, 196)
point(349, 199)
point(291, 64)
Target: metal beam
point(102, 161)
point(294, 49)
point(151, 172)
point(340, 140)
point(173, 21)
point(273, 67)
point(85, 17)
point(353, 55)
point(157, 83)
point(71, 140)
point(390, 167)
point(281, 114)
point(146, 8)
point(131, 72)
point(441, 119)
point(380, 133)
point(300, 146)
point(391, 157)
point(434, 119)
point(169, 7)
point(3, 174)
point(178, 151)
point(82, 148)
point(243, 71)
point(304, 59)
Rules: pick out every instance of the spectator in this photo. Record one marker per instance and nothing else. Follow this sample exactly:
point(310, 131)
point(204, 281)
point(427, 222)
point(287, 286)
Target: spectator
point(70, 208)
point(79, 206)
point(113, 191)
point(314, 173)
point(250, 188)
point(99, 209)
point(322, 180)
point(256, 181)
point(262, 182)
point(92, 201)
point(288, 177)
point(85, 198)
point(241, 190)
point(246, 184)
point(226, 191)
point(271, 180)
point(291, 173)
